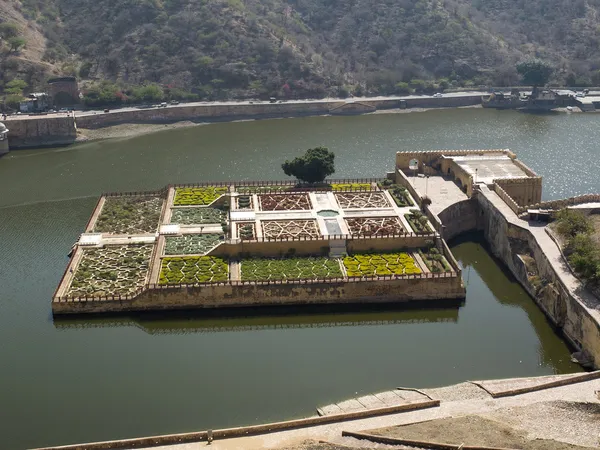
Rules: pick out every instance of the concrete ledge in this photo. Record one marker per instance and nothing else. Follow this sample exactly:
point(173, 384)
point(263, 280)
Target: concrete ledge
point(419, 444)
point(496, 390)
point(244, 431)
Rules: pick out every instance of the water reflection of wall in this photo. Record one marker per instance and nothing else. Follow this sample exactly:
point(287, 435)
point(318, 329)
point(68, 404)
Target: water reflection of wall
point(195, 322)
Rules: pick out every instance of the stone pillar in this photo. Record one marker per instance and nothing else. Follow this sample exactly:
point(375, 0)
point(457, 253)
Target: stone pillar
point(3, 139)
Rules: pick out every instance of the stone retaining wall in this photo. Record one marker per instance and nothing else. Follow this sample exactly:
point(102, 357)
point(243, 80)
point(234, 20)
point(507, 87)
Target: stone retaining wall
point(422, 287)
point(214, 112)
point(507, 241)
point(524, 191)
point(41, 131)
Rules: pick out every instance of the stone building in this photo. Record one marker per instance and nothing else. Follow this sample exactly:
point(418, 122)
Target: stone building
point(64, 91)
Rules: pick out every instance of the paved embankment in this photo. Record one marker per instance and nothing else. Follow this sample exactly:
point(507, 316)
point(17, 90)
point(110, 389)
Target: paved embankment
point(459, 400)
point(61, 128)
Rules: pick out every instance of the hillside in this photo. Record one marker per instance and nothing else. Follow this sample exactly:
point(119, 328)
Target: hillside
point(301, 48)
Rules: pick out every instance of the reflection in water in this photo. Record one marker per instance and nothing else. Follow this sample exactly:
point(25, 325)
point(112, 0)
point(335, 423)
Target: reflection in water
point(182, 322)
point(473, 254)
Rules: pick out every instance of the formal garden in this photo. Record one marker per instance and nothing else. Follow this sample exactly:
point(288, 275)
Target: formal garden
point(192, 244)
point(435, 261)
point(198, 196)
point(287, 229)
point(129, 215)
point(197, 215)
point(109, 271)
point(360, 200)
point(291, 268)
point(284, 202)
point(193, 269)
point(418, 221)
point(374, 226)
point(380, 264)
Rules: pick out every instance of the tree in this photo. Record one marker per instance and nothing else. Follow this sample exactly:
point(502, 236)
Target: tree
point(316, 164)
point(15, 87)
point(8, 30)
point(16, 43)
point(535, 72)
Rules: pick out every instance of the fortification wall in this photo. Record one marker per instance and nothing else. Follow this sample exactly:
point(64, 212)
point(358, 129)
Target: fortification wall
point(507, 241)
point(524, 191)
point(41, 131)
point(430, 157)
point(417, 288)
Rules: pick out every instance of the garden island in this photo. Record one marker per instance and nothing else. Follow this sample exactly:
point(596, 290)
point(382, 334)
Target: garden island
point(235, 244)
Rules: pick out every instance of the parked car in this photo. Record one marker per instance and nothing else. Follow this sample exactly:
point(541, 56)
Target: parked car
point(107, 110)
point(438, 95)
point(580, 94)
point(163, 105)
point(174, 102)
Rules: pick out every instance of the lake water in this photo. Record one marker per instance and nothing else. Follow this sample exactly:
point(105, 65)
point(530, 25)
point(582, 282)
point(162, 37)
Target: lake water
point(77, 380)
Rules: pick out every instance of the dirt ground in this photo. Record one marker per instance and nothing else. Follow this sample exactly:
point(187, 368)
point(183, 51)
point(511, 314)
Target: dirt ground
point(474, 430)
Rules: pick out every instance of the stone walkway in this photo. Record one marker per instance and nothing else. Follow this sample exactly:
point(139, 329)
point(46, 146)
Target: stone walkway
point(443, 191)
point(552, 252)
point(396, 397)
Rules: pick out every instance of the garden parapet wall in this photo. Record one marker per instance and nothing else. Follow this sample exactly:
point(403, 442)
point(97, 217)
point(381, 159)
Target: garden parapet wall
point(398, 289)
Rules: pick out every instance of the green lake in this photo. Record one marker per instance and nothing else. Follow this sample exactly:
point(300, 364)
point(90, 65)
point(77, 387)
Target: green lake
point(85, 379)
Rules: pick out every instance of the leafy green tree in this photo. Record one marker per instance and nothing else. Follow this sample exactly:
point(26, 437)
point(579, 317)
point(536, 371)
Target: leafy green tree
point(15, 87)
point(12, 101)
point(16, 43)
point(8, 30)
point(316, 164)
point(535, 72)
point(148, 93)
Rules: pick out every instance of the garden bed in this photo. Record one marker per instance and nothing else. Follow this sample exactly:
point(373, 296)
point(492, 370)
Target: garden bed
point(380, 264)
point(244, 202)
point(261, 189)
point(284, 202)
point(375, 226)
point(361, 200)
point(418, 221)
point(193, 269)
point(349, 187)
point(399, 194)
point(108, 271)
point(197, 216)
point(282, 229)
point(308, 268)
point(246, 230)
point(435, 261)
point(198, 196)
point(129, 215)
point(191, 244)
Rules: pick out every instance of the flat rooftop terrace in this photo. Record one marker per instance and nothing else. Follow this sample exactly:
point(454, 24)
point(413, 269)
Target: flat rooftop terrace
point(485, 169)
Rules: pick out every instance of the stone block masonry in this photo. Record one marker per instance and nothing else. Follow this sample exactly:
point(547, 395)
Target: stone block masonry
point(42, 131)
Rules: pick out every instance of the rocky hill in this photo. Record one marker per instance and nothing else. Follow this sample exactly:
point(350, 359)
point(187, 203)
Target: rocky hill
point(302, 48)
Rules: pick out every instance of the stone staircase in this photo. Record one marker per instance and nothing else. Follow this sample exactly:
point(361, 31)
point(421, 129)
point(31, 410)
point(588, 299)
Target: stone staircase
point(337, 248)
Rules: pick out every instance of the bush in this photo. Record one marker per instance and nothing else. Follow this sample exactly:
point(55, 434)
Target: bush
point(570, 223)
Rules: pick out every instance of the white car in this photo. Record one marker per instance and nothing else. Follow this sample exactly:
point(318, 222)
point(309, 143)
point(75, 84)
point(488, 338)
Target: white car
point(437, 95)
point(580, 94)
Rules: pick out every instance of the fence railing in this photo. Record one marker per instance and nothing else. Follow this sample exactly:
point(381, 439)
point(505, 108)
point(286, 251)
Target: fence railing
point(348, 237)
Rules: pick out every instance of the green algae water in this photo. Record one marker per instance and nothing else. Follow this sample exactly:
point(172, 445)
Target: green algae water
point(85, 379)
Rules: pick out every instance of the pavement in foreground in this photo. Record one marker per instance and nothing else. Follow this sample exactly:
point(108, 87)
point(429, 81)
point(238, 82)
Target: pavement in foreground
point(559, 418)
